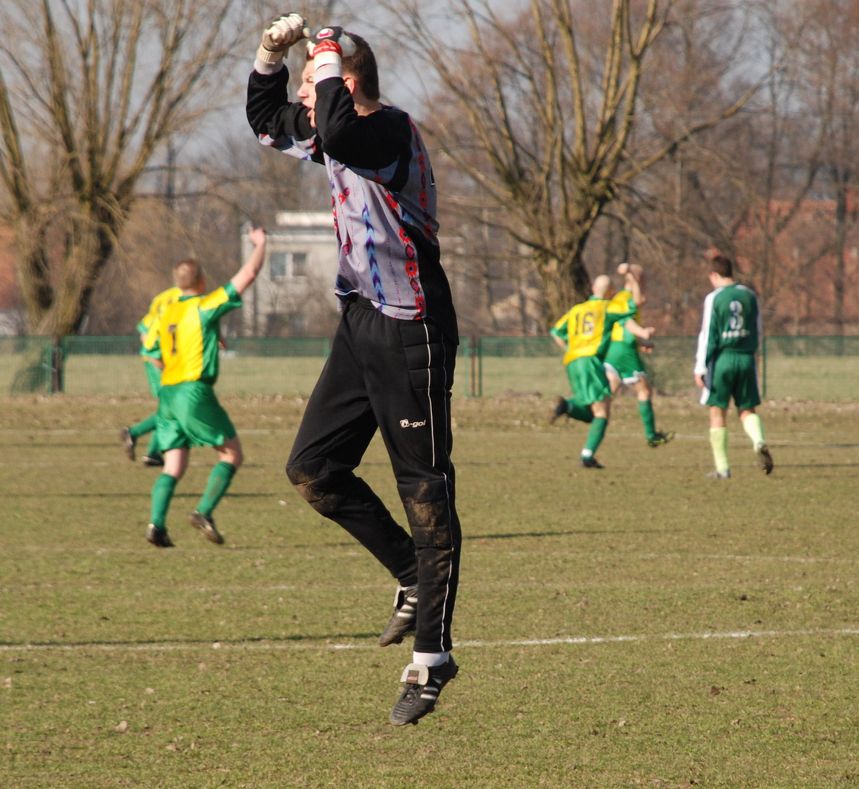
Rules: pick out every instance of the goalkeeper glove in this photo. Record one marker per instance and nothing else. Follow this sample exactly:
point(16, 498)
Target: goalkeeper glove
point(328, 45)
point(279, 36)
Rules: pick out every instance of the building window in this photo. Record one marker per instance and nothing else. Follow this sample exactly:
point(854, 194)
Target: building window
point(277, 264)
point(283, 265)
point(299, 264)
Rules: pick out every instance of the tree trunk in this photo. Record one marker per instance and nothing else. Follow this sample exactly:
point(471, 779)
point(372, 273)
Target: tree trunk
point(565, 281)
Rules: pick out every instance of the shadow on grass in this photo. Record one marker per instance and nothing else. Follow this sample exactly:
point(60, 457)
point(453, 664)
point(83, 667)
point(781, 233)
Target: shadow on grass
point(322, 640)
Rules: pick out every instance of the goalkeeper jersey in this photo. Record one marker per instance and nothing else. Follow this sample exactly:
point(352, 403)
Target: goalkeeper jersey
point(383, 194)
point(187, 333)
point(731, 321)
point(156, 307)
point(586, 328)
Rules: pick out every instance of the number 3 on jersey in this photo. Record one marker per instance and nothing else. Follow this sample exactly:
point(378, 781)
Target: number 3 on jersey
point(736, 321)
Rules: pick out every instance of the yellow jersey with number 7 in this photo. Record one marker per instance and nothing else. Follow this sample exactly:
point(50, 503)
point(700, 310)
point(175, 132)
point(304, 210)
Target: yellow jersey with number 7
point(187, 332)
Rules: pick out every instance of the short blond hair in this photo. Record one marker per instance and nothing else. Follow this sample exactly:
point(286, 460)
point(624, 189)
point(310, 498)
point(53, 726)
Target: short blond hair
point(188, 274)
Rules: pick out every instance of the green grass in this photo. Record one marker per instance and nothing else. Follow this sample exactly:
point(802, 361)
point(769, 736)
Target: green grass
point(813, 373)
point(599, 625)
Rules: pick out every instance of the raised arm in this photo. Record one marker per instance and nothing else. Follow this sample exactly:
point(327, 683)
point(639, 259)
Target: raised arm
point(638, 331)
point(246, 275)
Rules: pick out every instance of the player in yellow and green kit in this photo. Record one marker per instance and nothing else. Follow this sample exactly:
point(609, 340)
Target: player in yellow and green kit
point(152, 365)
point(585, 332)
point(189, 413)
point(623, 363)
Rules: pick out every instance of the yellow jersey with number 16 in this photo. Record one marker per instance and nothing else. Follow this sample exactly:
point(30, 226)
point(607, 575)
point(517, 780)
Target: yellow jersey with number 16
point(586, 328)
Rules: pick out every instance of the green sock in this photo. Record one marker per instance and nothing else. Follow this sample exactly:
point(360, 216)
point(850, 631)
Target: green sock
point(719, 443)
point(141, 428)
point(219, 480)
point(595, 435)
point(581, 412)
point(754, 430)
point(162, 492)
point(648, 418)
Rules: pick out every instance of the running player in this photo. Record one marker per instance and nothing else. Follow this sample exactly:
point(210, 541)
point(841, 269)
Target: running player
point(189, 413)
point(152, 365)
point(623, 363)
point(585, 333)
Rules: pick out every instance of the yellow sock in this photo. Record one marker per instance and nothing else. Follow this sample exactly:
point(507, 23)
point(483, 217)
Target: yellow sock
point(719, 443)
point(754, 430)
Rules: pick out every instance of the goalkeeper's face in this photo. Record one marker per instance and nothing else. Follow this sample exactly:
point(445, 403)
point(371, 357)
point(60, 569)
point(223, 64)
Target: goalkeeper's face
point(307, 90)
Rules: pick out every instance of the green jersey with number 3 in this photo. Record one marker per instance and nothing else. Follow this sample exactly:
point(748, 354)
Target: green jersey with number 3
point(732, 322)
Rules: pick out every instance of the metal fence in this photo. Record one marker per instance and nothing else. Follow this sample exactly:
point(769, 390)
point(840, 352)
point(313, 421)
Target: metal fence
point(796, 368)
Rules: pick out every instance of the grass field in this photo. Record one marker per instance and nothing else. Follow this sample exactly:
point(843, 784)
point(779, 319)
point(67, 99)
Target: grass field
point(637, 626)
point(812, 373)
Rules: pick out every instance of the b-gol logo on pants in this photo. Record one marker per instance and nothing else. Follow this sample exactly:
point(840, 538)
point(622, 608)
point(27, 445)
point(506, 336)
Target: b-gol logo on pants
point(406, 423)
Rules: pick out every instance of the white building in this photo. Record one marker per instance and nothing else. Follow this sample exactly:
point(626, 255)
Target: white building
point(294, 293)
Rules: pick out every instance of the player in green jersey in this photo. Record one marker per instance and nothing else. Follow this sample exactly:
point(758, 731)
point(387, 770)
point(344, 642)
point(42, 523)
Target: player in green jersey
point(725, 363)
point(585, 333)
point(152, 365)
point(189, 413)
point(623, 363)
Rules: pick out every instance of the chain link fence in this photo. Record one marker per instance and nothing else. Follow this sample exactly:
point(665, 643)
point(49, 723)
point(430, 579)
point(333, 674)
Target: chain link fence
point(791, 368)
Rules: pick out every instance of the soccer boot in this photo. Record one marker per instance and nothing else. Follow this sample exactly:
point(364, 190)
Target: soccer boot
point(155, 459)
point(403, 619)
point(205, 525)
point(765, 459)
point(719, 474)
point(421, 688)
point(591, 462)
point(558, 411)
point(158, 537)
point(128, 442)
point(659, 438)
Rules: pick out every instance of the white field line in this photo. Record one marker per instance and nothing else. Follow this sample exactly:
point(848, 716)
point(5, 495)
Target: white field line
point(321, 644)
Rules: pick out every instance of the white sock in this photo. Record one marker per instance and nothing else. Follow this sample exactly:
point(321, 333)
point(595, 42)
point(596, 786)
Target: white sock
point(431, 659)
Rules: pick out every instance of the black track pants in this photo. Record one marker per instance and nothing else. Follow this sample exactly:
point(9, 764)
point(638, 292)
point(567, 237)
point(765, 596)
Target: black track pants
point(394, 375)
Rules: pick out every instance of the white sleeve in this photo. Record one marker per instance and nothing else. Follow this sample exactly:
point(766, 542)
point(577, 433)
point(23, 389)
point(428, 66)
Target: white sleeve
point(704, 335)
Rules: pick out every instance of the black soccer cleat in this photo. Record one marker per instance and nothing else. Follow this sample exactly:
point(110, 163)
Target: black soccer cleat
point(206, 526)
point(422, 686)
point(558, 411)
point(128, 442)
point(659, 438)
point(158, 537)
point(591, 462)
point(155, 459)
point(403, 619)
point(765, 459)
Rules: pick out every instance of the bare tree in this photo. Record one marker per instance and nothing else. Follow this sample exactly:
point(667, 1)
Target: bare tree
point(833, 65)
point(88, 95)
point(539, 109)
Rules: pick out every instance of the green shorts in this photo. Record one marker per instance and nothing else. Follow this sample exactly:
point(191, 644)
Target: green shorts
point(189, 415)
point(153, 375)
point(588, 380)
point(624, 360)
point(733, 376)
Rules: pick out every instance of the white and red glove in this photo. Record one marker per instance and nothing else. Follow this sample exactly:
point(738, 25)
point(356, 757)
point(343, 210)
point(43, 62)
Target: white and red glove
point(279, 36)
point(328, 45)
